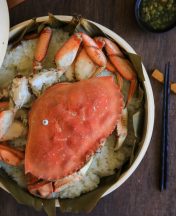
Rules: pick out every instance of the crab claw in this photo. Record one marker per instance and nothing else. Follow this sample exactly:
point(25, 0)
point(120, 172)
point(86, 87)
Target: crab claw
point(20, 92)
point(11, 155)
point(42, 47)
point(93, 51)
point(6, 119)
point(15, 130)
point(84, 66)
point(45, 78)
point(67, 53)
point(91, 55)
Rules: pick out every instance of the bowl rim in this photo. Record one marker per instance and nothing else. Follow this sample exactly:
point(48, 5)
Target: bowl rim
point(4, 16)
point(149, 98)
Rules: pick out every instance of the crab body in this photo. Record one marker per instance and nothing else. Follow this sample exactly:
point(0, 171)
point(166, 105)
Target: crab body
point(68, 123)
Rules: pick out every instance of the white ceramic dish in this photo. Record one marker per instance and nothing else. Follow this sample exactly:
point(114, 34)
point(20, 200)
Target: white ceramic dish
point(149, 100)
point(4, 23)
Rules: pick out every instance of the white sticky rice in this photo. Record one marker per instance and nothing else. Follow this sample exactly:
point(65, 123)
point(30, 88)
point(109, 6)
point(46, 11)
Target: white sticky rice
point(19, 61)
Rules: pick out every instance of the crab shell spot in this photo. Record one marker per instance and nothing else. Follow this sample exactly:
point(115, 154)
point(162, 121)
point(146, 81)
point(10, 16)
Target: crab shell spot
point(80, 116)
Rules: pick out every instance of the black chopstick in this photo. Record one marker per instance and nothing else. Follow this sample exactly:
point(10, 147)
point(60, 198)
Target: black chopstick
point(165, 135)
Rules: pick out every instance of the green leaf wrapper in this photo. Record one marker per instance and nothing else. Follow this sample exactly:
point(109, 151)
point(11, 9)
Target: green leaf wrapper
point(17, 38)
point(131, 146)
point(86, 202)
point(136, 61)
point(23, 197)
point(89, 28)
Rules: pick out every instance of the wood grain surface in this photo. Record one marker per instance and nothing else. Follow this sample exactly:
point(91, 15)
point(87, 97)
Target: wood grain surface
point(13, 3)
point(139, 195)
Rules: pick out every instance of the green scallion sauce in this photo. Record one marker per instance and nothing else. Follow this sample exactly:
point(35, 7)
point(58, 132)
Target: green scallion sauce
point(158, 14)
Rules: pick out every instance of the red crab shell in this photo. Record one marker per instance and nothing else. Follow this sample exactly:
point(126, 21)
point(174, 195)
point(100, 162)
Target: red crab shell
point(78, 117)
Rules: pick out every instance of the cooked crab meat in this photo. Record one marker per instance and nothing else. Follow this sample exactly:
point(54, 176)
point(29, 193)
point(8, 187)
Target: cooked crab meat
point(122, 129)
point(6, 119)
point(67, 53)
point(84, 66)
point(44, 79)
point(16, 130)
point(68, 123)
point(60, 184)
point(11, 155)
point(20, 92)
point(70, 73)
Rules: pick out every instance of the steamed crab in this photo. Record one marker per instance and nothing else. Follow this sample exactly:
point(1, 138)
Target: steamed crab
point(68, 122)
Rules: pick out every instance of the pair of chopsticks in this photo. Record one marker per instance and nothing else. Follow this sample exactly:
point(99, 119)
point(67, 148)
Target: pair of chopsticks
point(165, 135)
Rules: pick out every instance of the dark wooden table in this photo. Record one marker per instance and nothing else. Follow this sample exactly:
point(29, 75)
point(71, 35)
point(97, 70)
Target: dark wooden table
point(140, 194)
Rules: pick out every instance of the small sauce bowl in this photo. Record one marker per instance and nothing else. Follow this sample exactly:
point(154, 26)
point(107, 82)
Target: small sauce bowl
point(156, 15)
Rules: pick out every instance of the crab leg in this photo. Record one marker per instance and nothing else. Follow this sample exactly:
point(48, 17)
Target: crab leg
point(93, 51)
point(66, 55)
point(42, 47)
point(120, 80)
point(15, 130)
point(6, 119)
point(84, 66)
point(20, 92)
point(109, 66)
point(125, 69)
point(39, 187)
point(11, 155)
point(4, 105)
point(45, 78)
point(101, 44)
point(8, 129)
point(45, 188)
point(122, 65)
